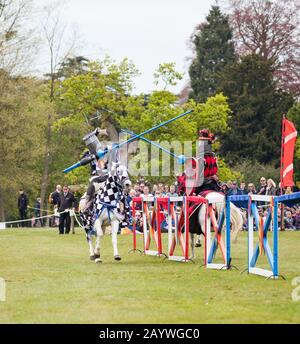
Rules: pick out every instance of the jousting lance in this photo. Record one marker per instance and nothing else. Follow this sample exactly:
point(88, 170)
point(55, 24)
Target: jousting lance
point(101, 153)
point(180, 158)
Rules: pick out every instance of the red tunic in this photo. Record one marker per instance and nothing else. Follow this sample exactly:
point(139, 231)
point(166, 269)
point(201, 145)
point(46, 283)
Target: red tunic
point(211, 167)
point(210, 170)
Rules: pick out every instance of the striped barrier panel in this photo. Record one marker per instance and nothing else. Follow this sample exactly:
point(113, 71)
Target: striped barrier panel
point(178, 225)
point(214, 239)
point(263, 224)
point(151, 219)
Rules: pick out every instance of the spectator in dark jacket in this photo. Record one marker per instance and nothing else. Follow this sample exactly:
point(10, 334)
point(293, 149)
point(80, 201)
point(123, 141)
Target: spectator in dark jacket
point(263, 186)
point(243, 188)
point(22, 206)
point(234, 190)
point(37, 212)
point(296, 219)
point(296, 222)
point(54, 199)
point(66, 201)
point(224, 188)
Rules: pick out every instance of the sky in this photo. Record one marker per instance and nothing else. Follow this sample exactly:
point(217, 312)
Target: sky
point(148, 32)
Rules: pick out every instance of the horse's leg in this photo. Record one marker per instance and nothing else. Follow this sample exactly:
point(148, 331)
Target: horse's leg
point(198, 241)
point(234, 234)
point(201, 223)
point(89, 239)
point(192, 237)
point(99, 233)
point(86, 220)
point(236, 220)
point(114, 234)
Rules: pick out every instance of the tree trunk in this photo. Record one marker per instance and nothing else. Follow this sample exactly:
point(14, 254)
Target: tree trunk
point(47, 159)
point(2, 211)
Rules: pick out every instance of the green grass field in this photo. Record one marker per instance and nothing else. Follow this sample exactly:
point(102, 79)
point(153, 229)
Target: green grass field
point(49, 279)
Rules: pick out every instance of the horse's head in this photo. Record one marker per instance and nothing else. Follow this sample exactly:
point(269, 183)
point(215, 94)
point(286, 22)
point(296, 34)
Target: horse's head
point(121, 173)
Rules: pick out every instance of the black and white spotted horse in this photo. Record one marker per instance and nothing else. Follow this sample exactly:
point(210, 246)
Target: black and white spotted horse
point(109, 208)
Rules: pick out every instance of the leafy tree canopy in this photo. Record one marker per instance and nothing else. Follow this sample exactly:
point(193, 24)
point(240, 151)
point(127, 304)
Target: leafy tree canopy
point(214, 50)
point(257, 107)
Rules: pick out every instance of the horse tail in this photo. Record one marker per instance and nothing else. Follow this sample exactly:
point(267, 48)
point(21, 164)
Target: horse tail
point(237, 220)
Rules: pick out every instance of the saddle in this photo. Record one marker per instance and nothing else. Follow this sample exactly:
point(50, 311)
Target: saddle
point(209, 184)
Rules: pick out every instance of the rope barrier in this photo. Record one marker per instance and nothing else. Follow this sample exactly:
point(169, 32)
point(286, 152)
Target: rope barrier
point(45, 210)
point(79, 224)
point(40, 217)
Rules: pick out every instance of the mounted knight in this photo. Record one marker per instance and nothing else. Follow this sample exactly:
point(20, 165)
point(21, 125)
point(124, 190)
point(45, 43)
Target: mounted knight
point(104, 202)
point(200, 178)
point(201, 172)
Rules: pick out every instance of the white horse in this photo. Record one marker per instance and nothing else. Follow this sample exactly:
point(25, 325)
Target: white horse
point(86, 210)
point(108, 209)
point(236, 218)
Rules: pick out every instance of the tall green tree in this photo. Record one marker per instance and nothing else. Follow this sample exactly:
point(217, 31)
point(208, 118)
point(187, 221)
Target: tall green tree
point(59, 46)
point(214, 50)
point(88, 93)
point(72, 66)
point(257, 105)
point(167, 74)
point(23, 116)
point(101, 89)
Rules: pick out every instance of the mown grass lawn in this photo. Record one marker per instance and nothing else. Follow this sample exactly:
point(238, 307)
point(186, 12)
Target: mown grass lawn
point(49, 279)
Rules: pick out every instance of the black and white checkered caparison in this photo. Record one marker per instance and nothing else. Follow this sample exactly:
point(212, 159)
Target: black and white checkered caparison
point(110, 194)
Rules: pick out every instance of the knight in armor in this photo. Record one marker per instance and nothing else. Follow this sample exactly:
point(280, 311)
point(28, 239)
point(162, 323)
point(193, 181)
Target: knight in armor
point(207, 164)
point(98, 167)
point(99, 174)
point(202, 169)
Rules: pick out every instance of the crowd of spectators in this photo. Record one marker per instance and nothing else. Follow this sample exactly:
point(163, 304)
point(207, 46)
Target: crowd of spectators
point(291, 216)
point(157, 190)
point(63, 202)
point(265, 187)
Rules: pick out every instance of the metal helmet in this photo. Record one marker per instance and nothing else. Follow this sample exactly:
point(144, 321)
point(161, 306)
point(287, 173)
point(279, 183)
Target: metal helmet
point(92, 142)
point(206, 138)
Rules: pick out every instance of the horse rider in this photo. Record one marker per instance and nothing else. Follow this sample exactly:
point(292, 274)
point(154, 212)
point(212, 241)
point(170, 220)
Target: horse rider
point(205, 168)
point(99, 174)
point(208, 163)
